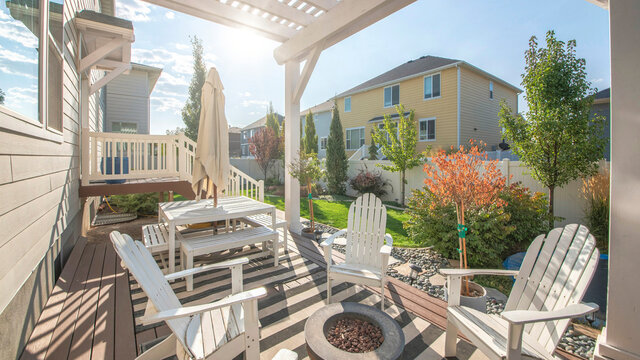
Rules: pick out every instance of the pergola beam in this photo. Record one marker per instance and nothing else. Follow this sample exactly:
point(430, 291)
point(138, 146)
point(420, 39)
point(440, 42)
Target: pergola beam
point(282, 10)
point(309, 65)
point(230, 16)
point(342, 21)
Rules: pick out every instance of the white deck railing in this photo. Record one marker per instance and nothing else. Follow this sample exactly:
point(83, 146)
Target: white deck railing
point(121, 157)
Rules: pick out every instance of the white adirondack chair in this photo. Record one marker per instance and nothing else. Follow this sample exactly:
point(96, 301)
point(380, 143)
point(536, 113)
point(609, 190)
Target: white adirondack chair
point(224, 328)
point(549, 286)
point(367, 254)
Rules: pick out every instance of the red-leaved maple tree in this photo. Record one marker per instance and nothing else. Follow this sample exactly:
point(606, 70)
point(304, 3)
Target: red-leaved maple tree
point(265, 147)
point(467, 179)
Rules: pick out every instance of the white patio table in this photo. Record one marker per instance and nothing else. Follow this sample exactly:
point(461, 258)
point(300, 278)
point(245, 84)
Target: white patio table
point(193, 212)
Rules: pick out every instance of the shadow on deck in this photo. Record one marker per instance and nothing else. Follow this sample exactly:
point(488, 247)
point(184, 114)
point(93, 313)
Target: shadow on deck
point(94, 310)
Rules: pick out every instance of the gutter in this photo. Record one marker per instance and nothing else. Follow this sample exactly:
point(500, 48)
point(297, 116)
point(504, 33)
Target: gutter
point(458, 104)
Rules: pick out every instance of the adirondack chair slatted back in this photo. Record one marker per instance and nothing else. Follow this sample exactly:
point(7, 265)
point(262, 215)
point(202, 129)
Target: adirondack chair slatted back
point(555, 273)
point(365, 231)
point(139, 261)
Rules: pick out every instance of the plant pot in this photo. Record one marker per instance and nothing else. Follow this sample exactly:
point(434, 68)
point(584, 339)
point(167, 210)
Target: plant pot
point(475, 302)
point(317, 235)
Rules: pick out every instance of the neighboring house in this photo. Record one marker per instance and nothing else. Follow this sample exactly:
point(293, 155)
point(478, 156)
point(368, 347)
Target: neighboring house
point(602, 107)
point(127, 100)
point(51, 101)
point(250, 130)
point(322, 121)
point(453, 101)
point(234, 141)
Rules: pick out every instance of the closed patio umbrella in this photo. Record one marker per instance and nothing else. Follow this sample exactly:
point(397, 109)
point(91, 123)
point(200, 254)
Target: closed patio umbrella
point(211, 164)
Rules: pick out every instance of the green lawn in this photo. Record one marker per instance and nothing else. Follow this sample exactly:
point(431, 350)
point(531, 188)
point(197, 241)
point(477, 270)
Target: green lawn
point(335, 213)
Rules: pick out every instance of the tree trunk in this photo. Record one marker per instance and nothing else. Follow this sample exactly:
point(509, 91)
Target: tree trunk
point(402, 200)
point(313, 227)
point(552, 190)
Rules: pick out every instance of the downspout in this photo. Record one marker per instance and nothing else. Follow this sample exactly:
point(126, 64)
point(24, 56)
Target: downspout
point(458, 105)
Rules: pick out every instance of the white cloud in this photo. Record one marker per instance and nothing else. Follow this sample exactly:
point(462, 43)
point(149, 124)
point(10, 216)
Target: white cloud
point(168, 79)
point(4, 16)
point(134, 10)
point(167, 103)
point(598, 80)
point(170, 93)
point(181, 46)
point(164, 58)
point(11, 71)
point(247, 103)
point(244, 94)
point(15, 31)
point(15, 57)
point(170, 15)
point(17, 96)
point(210, 59)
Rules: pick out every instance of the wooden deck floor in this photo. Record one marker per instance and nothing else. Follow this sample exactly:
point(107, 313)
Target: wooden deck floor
point(93, 310)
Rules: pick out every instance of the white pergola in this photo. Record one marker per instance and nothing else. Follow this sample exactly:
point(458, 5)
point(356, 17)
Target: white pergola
point(307, 27)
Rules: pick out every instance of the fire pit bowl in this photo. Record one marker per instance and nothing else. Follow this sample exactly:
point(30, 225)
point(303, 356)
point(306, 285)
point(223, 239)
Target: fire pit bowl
point(319, 323)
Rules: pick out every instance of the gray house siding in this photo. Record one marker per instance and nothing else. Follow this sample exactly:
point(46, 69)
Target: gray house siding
point(603, 109)
point(322, 122)
point(128, 101)
point(40, 211)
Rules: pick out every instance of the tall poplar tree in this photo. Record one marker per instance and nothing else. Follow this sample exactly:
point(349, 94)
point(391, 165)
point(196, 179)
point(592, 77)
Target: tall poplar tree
point(272, 120)
point(337, 163)
point(310, 137)
point(191, 110)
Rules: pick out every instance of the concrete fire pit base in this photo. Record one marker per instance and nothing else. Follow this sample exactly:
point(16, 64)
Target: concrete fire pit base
point(318, 325)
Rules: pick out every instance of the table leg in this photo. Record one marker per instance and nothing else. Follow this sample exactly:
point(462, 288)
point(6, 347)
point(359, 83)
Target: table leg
point(172, 248)
point(276, 240)
point(189, 265)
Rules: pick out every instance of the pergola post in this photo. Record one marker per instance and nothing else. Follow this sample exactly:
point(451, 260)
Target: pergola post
point(619, 340)
point(292, 144)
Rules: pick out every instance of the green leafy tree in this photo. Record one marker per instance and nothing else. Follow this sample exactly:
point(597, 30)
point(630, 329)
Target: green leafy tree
point(336, 163)
point(175, 131)
point(2, 97)
point(400, 148)
point(556, 138)
point(310, 136)
point(191, 110)
point(306, 169)
point(373, 149)
point(272, 120)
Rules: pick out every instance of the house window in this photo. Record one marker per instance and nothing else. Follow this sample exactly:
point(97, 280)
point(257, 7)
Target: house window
point(355, 138)
point(20, 89)
point(347, 104)
point(490, 89)
point(427, 129)
point(124, 127)
point(391, 95)
point(432, 86)
point(323, 143)
point(381, 128)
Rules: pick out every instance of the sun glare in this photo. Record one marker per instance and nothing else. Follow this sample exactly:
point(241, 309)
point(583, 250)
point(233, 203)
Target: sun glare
point(244, 43)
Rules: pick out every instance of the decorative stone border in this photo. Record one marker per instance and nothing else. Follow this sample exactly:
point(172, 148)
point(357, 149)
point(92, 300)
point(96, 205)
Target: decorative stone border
point(319, 323)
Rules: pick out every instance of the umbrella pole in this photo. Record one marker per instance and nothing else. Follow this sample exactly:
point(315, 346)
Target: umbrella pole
point(215, 195)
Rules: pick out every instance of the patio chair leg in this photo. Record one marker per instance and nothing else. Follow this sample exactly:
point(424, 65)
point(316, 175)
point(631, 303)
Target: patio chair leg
point(328, 290)
point(382, 294)
point(162, 350)
point(276, 249)
point(189, 265)
point(286, 238)
point(451, 339)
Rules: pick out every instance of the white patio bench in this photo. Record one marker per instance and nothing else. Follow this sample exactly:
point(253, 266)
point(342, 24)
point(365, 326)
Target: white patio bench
point(154, 237)
point(197, 245)
point(265, 220)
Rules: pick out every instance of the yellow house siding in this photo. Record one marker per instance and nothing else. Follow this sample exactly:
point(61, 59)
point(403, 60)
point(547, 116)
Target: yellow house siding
point(369, 104)
point(479, 113)
point(40, 212)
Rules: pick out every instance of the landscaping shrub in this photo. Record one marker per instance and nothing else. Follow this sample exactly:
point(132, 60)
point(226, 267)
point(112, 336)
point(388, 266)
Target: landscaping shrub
point(369, 182)
point(141, 204)
point(433, 224)
point(596, 191)
point(528, 216)
point(494, 233)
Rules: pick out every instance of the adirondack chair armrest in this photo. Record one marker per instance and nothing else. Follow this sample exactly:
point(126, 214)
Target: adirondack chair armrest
point(471, 272)
point(385, 252)
point(329, 241)
point(221, 265)
point(532, 316)
point(181, 312)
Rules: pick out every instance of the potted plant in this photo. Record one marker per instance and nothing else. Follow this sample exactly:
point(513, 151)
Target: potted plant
point(306, 169)
point(465, 178)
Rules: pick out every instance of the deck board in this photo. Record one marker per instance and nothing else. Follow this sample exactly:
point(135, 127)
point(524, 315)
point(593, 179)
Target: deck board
point(93, 307)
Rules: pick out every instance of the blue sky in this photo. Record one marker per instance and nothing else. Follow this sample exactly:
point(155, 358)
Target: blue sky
point(490, 34)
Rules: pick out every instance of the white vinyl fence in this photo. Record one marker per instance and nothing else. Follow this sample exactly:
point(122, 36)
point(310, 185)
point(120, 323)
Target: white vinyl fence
point(250, 167)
